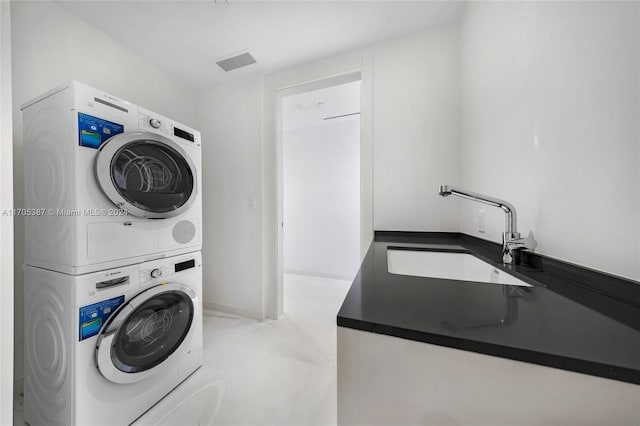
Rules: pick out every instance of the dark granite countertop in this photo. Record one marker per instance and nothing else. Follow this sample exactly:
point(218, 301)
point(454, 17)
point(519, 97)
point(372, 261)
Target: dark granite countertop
point(572, 318)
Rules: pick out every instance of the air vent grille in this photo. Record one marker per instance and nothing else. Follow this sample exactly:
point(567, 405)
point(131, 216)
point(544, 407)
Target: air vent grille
point(236, 62)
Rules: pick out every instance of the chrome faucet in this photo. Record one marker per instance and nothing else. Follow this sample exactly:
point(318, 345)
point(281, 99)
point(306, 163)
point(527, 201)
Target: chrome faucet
point(511, 239)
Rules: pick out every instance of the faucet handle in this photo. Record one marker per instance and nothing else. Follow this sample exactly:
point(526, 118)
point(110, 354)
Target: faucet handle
point(528, 242)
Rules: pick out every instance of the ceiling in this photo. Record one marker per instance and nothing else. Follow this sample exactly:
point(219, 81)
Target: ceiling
point(186, 38)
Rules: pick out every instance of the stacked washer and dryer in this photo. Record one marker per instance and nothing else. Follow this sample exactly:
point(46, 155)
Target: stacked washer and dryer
point(113, 272)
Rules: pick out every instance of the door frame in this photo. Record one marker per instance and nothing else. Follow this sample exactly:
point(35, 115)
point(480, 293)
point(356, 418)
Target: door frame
point(288, 83)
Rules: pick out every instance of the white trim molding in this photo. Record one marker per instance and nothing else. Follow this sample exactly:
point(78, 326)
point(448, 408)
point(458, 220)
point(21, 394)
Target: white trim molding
point(6, 220)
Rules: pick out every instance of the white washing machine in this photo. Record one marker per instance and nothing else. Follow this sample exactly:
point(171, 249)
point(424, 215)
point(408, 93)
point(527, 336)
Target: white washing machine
point(103, 348)
point(107, 183)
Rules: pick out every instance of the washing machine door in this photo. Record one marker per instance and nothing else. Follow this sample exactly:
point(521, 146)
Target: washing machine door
point(146, 334)
point(147, 174)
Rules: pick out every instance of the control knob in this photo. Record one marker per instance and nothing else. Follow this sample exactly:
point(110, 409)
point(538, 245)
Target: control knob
point(156, 273)
point(155, 123)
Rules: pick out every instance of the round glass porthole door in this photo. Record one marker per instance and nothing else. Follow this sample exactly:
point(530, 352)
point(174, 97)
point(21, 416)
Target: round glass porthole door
point(145, 332)
point(147, 174)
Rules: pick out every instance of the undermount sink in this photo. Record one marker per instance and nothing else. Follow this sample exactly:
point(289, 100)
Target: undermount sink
point(447, 265)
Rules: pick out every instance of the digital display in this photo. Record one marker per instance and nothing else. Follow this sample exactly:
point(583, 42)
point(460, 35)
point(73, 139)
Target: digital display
point(90, 139)
point(185, 265)
point(94, 131)
point(90, 328)
point(183, 134)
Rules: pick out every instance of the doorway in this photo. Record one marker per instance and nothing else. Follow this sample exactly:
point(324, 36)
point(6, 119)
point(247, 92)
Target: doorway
point(319, 181)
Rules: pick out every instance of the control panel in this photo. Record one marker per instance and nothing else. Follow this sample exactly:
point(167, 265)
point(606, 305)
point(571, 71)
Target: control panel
point(164, 271)
point(154, 123)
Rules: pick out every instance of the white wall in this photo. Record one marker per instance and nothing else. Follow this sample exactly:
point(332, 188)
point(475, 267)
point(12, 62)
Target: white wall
point(410, 138)
point(551, 95)
point(51, 46)
point(416, 113)
point(6, 221)
point(321, 175)
point(416, 130)
point(411, 87)
point(229, 117)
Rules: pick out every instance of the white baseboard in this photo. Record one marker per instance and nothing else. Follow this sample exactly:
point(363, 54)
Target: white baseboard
point(233, 310)
point(321, 275)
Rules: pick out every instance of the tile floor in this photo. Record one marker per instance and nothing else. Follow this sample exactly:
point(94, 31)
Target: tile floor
point(280, 372)
point(264, 373)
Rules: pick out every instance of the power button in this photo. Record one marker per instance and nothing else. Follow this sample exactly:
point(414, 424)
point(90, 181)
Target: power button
point(156, 273)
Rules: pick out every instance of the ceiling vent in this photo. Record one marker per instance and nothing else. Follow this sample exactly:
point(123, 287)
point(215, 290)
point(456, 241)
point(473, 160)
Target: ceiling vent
point(235, 62)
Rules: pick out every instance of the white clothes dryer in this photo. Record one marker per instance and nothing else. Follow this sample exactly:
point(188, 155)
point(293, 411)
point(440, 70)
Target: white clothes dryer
point(107, 183)
point(103, 348)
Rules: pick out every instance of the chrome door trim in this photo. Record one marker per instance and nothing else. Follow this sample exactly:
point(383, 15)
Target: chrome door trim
point(105, 338)
point(103, 172)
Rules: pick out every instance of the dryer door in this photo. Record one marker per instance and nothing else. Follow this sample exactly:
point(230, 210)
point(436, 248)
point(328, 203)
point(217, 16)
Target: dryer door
point(147, 174)
point(147, 333)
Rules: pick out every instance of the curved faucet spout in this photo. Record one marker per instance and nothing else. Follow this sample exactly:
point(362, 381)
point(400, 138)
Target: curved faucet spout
point(511, 241)
point(511, 220)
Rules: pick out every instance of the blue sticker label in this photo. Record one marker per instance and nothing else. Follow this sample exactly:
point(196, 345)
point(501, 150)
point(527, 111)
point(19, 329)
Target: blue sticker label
point(93, 316)
point(94, 131)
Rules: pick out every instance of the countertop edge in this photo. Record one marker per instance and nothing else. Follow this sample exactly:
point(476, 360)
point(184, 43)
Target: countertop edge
point(590, 368)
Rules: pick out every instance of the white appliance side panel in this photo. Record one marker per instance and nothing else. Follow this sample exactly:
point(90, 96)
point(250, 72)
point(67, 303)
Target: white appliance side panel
point(48, 158)
point(384, 380)
point(49, 358)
